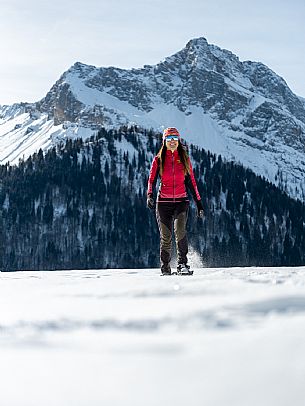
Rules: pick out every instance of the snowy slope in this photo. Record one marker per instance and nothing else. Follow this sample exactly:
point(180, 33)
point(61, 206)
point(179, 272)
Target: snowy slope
point(242, 110)
point(112, 337)
point(24, 130)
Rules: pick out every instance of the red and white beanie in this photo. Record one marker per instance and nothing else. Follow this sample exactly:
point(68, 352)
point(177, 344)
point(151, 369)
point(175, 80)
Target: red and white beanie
point(170, 131)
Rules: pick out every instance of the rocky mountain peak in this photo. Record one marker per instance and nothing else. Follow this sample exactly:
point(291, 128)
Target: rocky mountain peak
point(197, 47)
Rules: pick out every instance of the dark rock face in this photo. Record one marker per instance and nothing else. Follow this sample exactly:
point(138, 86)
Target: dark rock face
point(60, 103)
point(268, 121)
point(272, 86)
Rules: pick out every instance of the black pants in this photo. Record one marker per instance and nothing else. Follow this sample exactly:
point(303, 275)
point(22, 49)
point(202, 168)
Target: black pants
point(169, 214)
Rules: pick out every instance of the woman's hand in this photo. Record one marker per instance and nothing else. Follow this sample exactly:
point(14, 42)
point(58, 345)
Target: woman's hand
point(200, 212)
point(150, 202)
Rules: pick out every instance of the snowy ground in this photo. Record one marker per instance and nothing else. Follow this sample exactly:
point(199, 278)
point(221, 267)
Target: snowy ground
point(130, 337)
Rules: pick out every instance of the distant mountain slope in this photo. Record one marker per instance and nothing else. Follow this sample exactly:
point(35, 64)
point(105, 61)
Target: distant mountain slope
point(242, 110)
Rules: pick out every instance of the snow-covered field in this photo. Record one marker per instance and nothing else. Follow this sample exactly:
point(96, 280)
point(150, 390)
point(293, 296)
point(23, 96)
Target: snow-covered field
point(130, 337)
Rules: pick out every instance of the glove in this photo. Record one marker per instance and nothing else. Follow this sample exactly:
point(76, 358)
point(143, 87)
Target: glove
point(200, 211)
point(150, 202)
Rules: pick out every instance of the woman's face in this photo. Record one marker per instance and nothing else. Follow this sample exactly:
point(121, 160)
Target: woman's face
point(171, 142)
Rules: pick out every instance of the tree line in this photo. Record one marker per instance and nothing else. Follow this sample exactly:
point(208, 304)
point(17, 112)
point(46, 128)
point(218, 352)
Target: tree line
point(82, 204)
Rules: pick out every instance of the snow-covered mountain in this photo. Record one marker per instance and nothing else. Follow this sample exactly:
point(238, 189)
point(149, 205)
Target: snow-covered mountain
point(242, 110)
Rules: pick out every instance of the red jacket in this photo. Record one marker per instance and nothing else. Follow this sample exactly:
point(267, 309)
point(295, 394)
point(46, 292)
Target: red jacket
point(173, 180)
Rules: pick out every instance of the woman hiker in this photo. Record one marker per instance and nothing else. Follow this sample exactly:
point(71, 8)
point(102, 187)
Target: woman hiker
point(173, 166)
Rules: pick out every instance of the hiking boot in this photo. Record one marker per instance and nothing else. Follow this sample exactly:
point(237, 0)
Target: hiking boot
point(166, 270)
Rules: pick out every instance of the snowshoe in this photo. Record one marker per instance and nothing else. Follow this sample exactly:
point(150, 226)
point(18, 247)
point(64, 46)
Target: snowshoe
point(184, 269)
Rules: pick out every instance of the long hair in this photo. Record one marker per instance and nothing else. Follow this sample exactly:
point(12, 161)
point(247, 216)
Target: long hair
point(182, 155)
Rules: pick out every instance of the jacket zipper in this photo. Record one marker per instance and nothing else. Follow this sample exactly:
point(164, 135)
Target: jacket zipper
point(173, 170)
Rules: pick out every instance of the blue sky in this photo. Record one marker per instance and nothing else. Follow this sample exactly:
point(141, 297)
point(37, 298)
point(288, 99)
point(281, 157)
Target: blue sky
point(41, 39)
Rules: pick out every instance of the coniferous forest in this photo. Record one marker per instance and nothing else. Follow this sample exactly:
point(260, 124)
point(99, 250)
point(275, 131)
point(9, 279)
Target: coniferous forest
point(82, 204)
